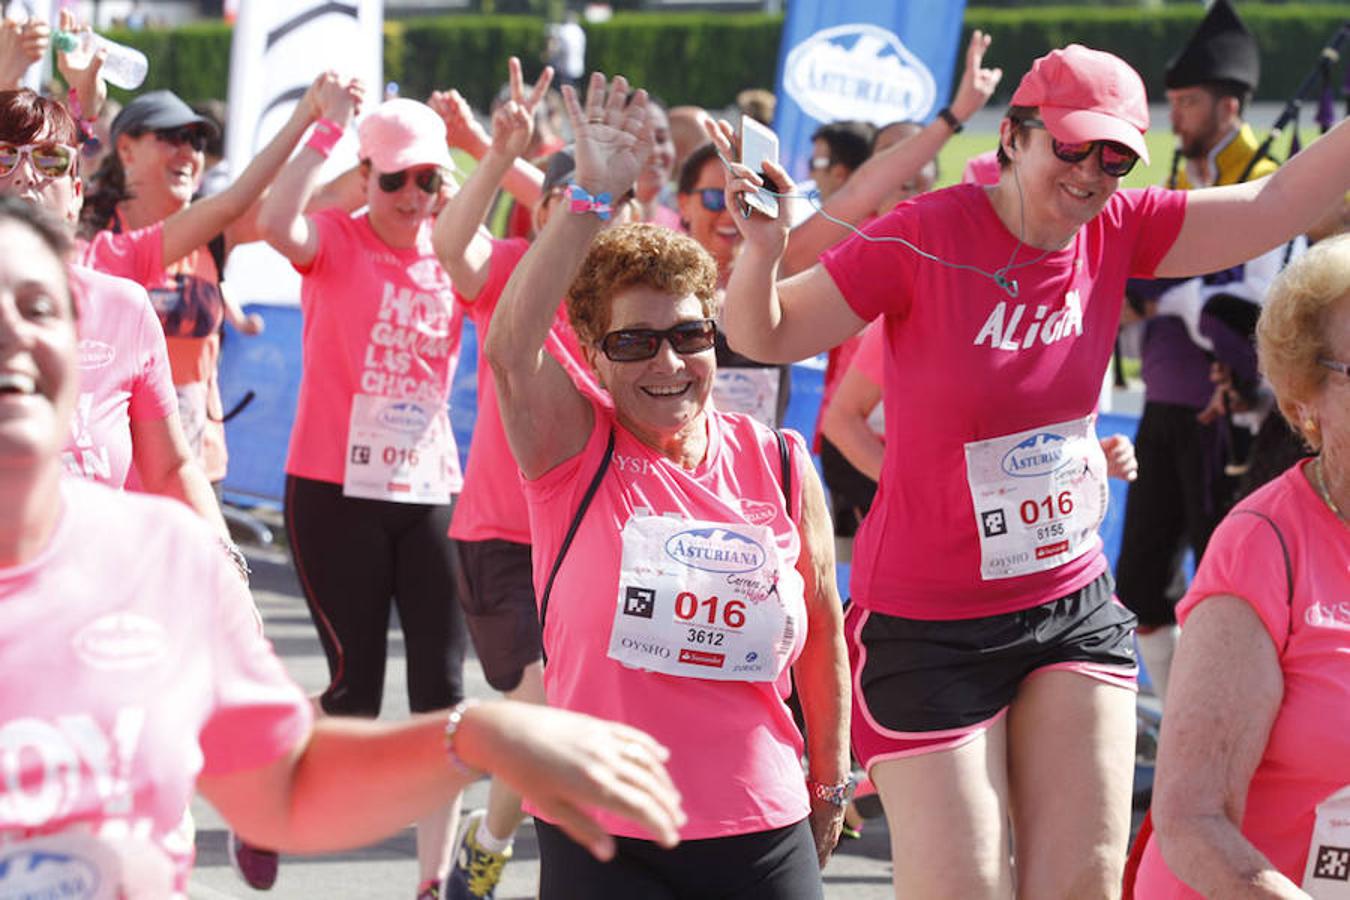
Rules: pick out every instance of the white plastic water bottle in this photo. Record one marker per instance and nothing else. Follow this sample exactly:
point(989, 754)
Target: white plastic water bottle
point(124, 67)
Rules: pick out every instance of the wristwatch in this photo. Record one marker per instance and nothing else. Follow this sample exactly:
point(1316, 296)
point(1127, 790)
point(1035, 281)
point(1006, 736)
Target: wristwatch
point(955, 124)
point(836, 794)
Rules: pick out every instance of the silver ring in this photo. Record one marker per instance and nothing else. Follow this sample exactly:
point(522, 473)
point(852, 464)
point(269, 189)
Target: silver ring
point(633, 751)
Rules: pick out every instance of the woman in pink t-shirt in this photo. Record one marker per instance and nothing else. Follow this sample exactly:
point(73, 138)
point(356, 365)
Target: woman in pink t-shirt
point(142, 223)
point(1252, 795)
point(373, 469)
point(127, 416)
point(993, 670)
point(701, 568)
point(131, 697)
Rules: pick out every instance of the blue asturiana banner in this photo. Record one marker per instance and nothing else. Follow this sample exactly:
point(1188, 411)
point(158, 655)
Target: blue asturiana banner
point(877, 61)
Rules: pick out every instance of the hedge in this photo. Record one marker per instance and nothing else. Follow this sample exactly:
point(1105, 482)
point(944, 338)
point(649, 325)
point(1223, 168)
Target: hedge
point(705, 58)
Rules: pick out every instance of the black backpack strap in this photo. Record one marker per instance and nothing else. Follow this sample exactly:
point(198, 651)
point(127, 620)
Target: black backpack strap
point(1288, 565)
point(784, 468)
point(572, 533)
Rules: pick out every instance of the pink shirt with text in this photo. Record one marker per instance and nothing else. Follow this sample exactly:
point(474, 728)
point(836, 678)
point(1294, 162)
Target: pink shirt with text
point(734, 748)
point(492, 505)
point(124, 376)
point(142, 666)
point(1307, 755)
point(966, 362)
point(377, 320)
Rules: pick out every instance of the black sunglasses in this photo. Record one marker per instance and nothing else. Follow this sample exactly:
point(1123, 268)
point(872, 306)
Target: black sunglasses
point(1114, 159)
point(637, 344)
point(427, 180)
point(713, 199)
point(192, 135)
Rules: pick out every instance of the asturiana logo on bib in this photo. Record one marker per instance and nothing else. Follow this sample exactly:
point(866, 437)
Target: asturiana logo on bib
point(716, 550)
point(858, 71)
point(409, 418)
point(46, 873)
point(1039, 454)
point(95, 354)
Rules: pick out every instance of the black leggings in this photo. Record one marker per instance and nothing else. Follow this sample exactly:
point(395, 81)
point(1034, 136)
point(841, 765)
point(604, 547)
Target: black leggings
point(355, 557)
point(766, 865)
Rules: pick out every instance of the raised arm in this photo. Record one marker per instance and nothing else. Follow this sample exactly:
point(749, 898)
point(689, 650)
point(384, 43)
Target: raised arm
point(1218, 721)
point(462, 244)
point(281, 220)
point(1228, 225)
point(892, 168)
point(21, 45)
point(88, 91)
point(546, 418)
point(768, 320)
point(522, 180)
point(354, 782)
point(190, 228)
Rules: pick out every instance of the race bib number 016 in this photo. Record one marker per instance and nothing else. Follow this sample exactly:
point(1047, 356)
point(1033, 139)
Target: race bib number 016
point(400, 451)
point(705, 600)
point(1039, 497)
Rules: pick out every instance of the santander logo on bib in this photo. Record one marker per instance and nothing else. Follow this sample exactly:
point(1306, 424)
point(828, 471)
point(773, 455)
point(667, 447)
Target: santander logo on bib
point(409, 418)
point(716, 550)
point(858, 71)
point(1039, 454)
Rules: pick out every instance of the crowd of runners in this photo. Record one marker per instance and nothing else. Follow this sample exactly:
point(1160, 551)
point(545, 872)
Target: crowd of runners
point(643, 559)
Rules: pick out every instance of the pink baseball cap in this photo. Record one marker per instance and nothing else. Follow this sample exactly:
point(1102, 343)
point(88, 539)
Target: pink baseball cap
point(1087, 95)
point(401, 133)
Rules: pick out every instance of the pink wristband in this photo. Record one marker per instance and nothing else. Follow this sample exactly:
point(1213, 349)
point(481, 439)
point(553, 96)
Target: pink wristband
point(324, 136)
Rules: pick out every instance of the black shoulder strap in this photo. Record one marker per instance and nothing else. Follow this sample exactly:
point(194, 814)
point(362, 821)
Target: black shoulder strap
point(1288, 565)
point(572, 533)
point(784, 468)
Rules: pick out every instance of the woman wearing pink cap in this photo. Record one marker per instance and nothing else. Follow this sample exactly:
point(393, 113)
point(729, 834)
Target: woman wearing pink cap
point(993, 672)
point(372, 469)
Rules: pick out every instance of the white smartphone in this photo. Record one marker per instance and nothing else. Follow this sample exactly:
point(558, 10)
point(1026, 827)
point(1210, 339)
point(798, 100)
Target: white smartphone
point(758, 144)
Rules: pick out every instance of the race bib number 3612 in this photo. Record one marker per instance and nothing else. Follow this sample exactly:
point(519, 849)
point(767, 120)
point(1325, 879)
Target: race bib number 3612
point(705, 600)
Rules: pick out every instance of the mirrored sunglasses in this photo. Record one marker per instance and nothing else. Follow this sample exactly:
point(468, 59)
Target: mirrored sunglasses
point(637, 344)
point(1114, 159)
point(49, 159)
point(427, 180)
point(712, 199)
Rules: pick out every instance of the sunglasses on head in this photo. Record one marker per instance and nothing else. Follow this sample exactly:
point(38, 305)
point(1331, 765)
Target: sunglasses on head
point(192, 135)
point(49, 159)
point(637, 344)
point(427, 180)
point(1114, 159)
point(714, 200)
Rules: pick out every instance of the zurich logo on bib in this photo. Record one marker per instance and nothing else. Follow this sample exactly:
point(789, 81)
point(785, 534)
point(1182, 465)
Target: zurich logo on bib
point(716, 550)
point(858, 71)
point(1038, 455)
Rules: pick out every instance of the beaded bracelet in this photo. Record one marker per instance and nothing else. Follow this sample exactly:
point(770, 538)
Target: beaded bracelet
point(85, 126)
point(452, 723)
point(324, 136)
